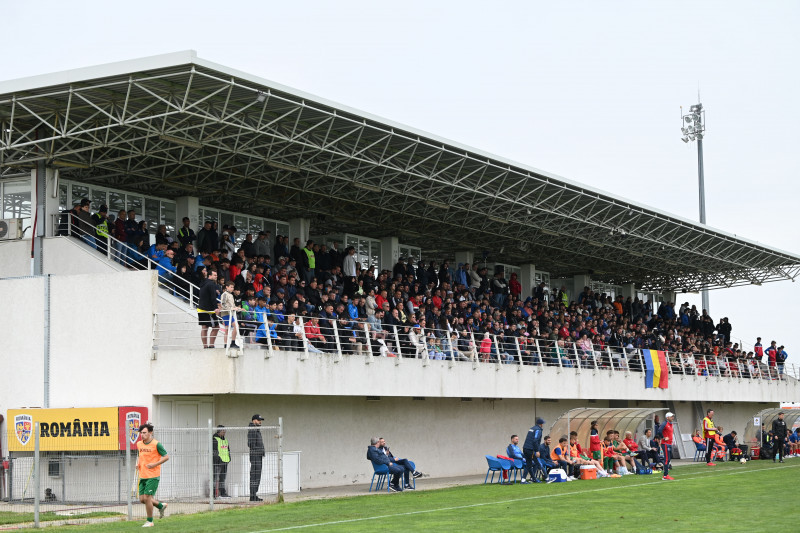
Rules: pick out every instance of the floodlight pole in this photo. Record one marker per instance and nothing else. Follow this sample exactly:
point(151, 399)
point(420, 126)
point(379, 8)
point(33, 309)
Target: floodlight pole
point(695, 131)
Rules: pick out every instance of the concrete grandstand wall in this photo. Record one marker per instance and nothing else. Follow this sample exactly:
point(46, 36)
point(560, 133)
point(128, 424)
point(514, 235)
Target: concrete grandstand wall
point(445, 436)
point(100, 340)
point(328, 375)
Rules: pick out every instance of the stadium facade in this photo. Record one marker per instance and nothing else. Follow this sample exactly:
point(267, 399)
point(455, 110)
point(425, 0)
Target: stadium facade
point(175, 136)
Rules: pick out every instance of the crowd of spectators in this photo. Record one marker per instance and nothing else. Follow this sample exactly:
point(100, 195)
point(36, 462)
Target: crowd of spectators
point(287, 290)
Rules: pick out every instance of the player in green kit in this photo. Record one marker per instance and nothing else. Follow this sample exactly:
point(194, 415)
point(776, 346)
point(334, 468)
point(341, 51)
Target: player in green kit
point(151, 456)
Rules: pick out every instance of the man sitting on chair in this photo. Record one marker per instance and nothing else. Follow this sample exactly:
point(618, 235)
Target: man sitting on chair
point(379, 458)
point(410, 467)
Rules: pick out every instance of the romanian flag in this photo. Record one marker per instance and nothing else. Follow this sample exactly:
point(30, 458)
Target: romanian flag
point(656, 373)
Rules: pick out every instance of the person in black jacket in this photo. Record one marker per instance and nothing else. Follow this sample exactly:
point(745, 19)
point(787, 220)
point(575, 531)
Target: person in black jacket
point(779, 441)
point(206, 310)
point(530, 449)
point(256, 444)
point(379, 458)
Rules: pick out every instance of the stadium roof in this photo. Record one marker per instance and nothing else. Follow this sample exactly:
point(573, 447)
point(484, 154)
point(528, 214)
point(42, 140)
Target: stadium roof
point(177, 125)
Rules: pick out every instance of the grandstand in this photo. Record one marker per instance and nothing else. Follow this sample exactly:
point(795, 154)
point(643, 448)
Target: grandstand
point(99, 322)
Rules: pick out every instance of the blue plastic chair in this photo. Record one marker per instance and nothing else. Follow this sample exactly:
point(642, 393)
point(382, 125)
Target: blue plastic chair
point(494, 466)
point(379, 477)
point(519, 467)
point(699, 454)
point(497, 465)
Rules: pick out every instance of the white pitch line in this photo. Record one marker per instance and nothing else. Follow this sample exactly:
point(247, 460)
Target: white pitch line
point(503, 502)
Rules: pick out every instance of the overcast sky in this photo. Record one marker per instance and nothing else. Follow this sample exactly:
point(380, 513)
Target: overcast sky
point(587, 90)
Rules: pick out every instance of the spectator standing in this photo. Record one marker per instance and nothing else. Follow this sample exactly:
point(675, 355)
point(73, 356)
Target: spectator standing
point(206, 310)
point(309, 261)
point(530, 449)
point(85, 225)
point(221, 456)
point(666, 444)
point(207, 239)
point(262, 246)
point(119, 233)
point(255, 443)
point(349, 268)
point(779, 438)
point(227, 311)
point(186, 234)
point(101, 230)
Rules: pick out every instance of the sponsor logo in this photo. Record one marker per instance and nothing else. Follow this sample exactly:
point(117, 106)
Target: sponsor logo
point(132, 421)
point(23, 427)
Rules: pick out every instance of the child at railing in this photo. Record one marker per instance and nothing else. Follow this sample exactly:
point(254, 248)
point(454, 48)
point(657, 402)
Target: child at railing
point(227, 312)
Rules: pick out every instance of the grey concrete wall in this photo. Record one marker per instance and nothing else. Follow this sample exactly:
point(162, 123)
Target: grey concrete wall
point(290, 374)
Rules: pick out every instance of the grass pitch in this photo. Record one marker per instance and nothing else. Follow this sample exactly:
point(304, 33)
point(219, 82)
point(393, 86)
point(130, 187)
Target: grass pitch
point(729, 497)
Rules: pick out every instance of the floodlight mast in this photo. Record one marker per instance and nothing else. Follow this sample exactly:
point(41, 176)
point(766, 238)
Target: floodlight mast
point(693, 127)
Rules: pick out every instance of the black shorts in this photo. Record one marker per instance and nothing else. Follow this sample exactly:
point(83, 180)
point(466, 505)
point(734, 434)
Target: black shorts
point(208, 319)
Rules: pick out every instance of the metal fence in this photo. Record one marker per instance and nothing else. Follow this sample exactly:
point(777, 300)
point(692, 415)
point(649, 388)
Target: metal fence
point(338, 338)
point(69, 475)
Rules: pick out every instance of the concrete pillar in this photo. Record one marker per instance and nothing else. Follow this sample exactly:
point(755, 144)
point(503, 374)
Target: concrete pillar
point(44, 207)
point(629, 291)
point(299, 228)
point(188, 206)
point(466, 256)
point(579, 281)
point(390, 252)
point(527, 279)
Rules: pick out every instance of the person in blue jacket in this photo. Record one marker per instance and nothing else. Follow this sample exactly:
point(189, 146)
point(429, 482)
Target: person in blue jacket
point(530, 449)
point(514, 452)
point(379, 458)
point(164, 266)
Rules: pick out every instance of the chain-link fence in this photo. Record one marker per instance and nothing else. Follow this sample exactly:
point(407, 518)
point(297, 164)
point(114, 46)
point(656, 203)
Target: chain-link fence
point(72, 471)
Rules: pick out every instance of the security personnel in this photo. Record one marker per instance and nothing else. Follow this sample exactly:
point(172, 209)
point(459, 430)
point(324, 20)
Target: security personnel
point(222, 456)
point(100, 221)
point(256, 444)
point(530, 449)
point(779, 442)
point(186, 234)
point(309, 261)
point(709, 430)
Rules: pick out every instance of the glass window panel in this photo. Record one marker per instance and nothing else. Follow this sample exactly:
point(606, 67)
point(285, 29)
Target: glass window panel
point(151, 213)
point(376, 256)
point(281, 229)
point(255, 225)
point(62, 197)
point(227, 219)
point(242, 228)
point(99, 197)
point(135, 203)
point(116, 201)
point(17, 199)
point(213, 216)
point(79, 192)
point(363, 252)
point(351, 241)
point(168, 217)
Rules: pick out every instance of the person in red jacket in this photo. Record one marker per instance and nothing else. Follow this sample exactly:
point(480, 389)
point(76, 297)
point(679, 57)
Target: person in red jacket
point(666, 444)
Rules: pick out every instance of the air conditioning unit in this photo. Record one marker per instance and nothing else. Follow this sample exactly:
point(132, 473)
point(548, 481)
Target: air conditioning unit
point(10, 228)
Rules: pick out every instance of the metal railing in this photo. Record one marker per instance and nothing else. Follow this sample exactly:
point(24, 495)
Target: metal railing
point(127, 256)
point(335, 337)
